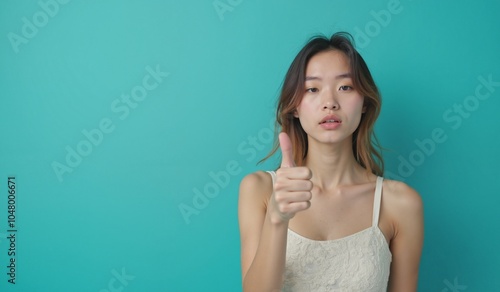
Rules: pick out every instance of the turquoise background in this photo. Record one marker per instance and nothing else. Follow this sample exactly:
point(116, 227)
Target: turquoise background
point(207, 124)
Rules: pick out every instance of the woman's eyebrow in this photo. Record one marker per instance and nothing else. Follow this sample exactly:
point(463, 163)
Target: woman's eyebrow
point(308, 78)
point(344, 75)
point(340, 76)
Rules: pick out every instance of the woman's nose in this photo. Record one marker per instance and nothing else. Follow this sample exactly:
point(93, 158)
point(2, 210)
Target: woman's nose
point(330, 101)
point(331, 104)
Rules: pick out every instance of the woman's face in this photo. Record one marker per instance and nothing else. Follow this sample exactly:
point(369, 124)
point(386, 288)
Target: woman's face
point(331, 109)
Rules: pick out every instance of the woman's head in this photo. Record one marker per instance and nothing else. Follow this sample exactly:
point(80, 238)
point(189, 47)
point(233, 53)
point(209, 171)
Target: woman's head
point(364, 142)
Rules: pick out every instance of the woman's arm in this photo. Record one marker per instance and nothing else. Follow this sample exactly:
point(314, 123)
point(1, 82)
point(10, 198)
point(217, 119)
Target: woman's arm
point(264, 210)
point(406, 208)
point(263, 241)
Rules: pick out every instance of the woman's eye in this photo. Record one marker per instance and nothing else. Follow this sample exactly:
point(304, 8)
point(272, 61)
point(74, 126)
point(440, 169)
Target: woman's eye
point(312, 89)
point(345, 88)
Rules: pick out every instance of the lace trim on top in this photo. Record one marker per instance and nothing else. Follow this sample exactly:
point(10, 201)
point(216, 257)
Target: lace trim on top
point(357, 262)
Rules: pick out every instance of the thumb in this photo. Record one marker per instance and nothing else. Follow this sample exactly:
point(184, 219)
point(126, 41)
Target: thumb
point(286, 150)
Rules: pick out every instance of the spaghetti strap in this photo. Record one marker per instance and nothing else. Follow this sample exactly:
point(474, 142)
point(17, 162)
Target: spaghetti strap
point(376, 201)
point(273, 176)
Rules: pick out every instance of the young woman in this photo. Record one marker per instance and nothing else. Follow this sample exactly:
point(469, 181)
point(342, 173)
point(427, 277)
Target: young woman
point(326, 220)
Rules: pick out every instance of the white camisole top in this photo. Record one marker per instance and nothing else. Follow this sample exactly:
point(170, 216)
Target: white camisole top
point(358, 262)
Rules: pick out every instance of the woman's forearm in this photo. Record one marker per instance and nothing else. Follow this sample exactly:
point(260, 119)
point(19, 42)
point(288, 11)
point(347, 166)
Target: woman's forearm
point(267, 269)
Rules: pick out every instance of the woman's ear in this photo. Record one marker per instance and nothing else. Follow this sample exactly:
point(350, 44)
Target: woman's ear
point(295, 114)
point(364, 109)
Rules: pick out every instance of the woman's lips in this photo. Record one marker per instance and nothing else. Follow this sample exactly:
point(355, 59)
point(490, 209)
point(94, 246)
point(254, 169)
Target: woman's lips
point(330, 122)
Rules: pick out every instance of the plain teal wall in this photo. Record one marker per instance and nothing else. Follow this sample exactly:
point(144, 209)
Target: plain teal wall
point(207, 74)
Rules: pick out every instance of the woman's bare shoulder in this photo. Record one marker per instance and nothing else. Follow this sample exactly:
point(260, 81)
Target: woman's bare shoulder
point(257, 185)
point(401, 200)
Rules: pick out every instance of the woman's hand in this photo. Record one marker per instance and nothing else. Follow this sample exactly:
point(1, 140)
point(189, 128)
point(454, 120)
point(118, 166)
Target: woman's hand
point(292, 188)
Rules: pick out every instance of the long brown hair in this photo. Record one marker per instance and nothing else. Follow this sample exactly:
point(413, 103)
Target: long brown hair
point(365, 145)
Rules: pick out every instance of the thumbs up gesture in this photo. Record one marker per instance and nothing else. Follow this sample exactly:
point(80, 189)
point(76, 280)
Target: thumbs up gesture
point(292, 188)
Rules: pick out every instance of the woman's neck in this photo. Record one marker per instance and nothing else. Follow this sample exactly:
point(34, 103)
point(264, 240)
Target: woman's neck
point(333, 164)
